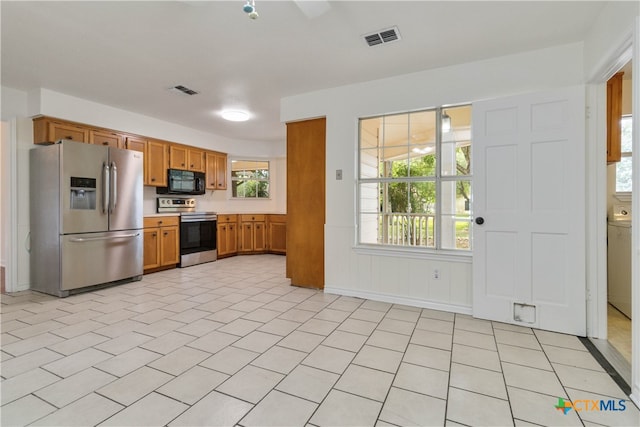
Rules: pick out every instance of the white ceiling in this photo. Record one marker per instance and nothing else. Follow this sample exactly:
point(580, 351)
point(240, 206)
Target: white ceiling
point(127, 54)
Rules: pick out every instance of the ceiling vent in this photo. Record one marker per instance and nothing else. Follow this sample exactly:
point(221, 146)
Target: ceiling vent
point(383, 36)
point(184, 89)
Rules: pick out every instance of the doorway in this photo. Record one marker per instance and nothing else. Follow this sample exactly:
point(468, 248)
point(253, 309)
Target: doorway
point(619, 224)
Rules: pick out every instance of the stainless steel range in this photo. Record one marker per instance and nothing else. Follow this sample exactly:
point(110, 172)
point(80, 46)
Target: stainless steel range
point(197, 230)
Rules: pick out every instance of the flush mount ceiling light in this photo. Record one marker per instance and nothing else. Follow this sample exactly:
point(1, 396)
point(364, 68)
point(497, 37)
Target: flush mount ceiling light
point(235, 115)
point(250, 9)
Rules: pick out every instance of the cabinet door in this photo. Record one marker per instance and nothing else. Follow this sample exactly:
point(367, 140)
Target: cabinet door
point(156, 162)
point(196, 160)
point(169, 246)
point(246, 237)
point(59, 131)
point(277, 237)
point(259, 236)
point(232, 241)
point(221, 171)
point(210, 171)
point(151, 248)
point(178, 157)
point(135, 144)
point(107, 139)
point(614, 114)
point(223, 247)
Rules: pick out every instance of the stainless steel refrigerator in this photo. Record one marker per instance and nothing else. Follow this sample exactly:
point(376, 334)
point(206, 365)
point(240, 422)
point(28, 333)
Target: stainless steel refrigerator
point(86, 216)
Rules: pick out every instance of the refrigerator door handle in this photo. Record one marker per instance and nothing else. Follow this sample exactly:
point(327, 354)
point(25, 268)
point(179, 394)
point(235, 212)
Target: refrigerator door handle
point(105, 187)
point(114, 187)
point(91, 239)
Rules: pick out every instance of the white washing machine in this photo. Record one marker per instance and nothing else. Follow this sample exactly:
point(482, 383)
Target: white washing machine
point(619, 265)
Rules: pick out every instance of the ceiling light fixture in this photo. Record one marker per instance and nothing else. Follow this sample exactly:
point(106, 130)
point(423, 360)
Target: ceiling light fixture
point(446, 122)
point(250, 9)
point(235, 115)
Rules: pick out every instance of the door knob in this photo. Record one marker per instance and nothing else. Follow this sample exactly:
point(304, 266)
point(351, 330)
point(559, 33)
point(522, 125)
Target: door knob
point(479, 220)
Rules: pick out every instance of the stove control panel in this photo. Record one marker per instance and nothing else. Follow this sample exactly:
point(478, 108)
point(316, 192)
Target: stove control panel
point(175, 204)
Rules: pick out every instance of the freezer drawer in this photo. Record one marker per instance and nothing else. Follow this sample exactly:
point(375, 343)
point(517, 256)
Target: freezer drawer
point(96, 258)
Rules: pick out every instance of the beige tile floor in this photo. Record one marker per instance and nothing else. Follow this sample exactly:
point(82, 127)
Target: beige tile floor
point(619, 331)
point(231, 343)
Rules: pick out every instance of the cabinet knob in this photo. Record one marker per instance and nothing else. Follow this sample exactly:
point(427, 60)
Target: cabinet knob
point(68, 137)
point(165, 233)
point(159, 222)
point(154, 235)
point(105, 143)
point(182, 164)
point(153, 179)
point(191, 164)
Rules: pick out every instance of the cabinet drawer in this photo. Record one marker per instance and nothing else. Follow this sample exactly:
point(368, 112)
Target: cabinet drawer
point(252, 217)
point(222, 219)
point(161, 221)
point(106, 139)
point(59, 131)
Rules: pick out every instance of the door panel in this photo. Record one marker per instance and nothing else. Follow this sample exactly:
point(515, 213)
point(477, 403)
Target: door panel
point(96, 258)
point(529, 254)
point(83, 202)
point(126, 200)
point(306, 155)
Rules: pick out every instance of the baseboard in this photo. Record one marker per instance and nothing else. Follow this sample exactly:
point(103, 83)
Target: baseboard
point(2, 280)
point(394, 299)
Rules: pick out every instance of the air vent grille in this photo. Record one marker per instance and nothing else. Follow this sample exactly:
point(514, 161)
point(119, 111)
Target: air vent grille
point(383, 36)
point(184, 90)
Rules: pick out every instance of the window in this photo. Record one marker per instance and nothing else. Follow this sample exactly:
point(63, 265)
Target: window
point(250, 179)
point(623, 167)
point(414, 180)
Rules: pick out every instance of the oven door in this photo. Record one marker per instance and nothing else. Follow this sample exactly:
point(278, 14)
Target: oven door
point(197, 239)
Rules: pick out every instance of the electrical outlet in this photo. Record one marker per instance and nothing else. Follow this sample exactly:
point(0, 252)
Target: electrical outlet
point(436, 274)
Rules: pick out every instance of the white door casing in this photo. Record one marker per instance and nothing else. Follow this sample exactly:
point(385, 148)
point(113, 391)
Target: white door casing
point(529, 254)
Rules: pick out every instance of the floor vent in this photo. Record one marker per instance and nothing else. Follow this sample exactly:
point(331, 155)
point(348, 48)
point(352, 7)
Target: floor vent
point(383, 36)
point(184, 90)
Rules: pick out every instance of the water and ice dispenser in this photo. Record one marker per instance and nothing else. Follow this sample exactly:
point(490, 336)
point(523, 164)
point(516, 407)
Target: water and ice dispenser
point(83, 193)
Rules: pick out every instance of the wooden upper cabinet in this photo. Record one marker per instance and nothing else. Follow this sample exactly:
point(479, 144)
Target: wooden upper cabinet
point(47, 130)
point(177, 157)
point(136, 144)
point(614, 116)
point(186, 158)
point(216, 170)
point(156, 160)
point(221, 171)
point(107, 139)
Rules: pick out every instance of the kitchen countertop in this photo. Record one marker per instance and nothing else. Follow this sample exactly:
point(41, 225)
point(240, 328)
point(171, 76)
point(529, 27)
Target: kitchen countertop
point(161, 214)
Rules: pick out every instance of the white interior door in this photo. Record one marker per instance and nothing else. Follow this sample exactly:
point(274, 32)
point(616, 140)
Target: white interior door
point(529, 253)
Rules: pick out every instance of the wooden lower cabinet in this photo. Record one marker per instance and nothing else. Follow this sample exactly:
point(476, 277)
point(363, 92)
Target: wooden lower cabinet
point(227, 235)
point(161, 242)
point(277, 234)
point(253, 236)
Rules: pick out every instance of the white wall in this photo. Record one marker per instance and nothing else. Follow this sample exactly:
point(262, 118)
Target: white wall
point(409, 279)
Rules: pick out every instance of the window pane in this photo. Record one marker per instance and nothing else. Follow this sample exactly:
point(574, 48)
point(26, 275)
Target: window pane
point(369, 132)
point(456, 143)
point(456, 197)
point(370, 229)
point(250, 178)
point(456, 232)
point(370, 200)
point(623, 175)
point(396, 130)
point(423, 197)
point(625, 133)
point(370, 165)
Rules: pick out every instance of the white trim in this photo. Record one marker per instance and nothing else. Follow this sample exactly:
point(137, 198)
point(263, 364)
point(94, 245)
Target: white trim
point(623, 196)
point(408, 252)
point(394, 299)
point(596, 212)
point(11, 271)
point(635, 234)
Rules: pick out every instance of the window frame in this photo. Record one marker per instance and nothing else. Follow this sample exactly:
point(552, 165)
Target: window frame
point(437, 251)
point(233, 179)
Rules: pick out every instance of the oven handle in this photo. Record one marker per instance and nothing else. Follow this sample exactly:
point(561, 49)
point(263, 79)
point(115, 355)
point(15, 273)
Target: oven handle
point(199, 219)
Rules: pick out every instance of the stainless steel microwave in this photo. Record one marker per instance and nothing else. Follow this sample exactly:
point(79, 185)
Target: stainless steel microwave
point(183, 182)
